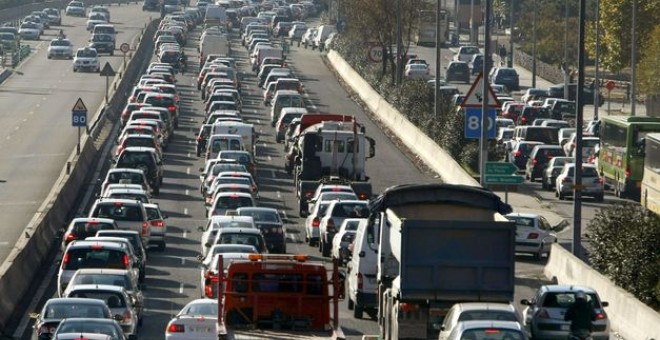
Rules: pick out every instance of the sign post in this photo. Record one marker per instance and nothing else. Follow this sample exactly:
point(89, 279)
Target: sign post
point(107, 72)
point(609, 86)
point(79, 119)
point(124, 48)
point(503, 173)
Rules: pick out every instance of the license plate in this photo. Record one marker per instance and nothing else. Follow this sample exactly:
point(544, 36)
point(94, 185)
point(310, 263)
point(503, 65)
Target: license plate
point(200, 329)
point(565, 327)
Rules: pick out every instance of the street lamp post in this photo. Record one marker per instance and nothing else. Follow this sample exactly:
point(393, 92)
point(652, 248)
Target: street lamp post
point(633, 60)
point(597, 80)
point(438, 33)
point(579, 115)
point(534, 48)
point(509, 62)
point(566, 80)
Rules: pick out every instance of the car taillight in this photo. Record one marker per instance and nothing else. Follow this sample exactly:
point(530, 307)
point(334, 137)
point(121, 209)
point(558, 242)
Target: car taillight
point(532, 236)
point(70, 237)
point(362, 196)
point(599, 180)
point(171, 108)
point(517, 154)
point(157, 223)
point(627, 172)
point(126, 261)
point(534, 161)
point(523, 120)
point(601, 316)
point(316, 222)
point(65, 260)
point(407, 307)
point(132, 99)
point(309, 194)
point(127, 316)
point(175, 329)
point(211, 280)
point(360, 281)
point(145, 228)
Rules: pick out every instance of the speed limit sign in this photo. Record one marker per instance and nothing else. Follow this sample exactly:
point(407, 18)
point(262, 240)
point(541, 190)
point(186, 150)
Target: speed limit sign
point(375, 53)
point(125, 48)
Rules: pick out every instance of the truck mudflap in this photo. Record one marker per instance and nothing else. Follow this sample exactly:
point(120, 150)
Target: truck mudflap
point(363, 190)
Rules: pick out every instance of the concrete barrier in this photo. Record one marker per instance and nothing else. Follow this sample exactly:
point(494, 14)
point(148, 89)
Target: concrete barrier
point(4, 74)
point(628, 316)
point(632, 319)
point(415, 139)
point(21, 266)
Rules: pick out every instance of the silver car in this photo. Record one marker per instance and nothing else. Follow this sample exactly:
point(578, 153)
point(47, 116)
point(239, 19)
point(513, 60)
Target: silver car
point(476, 311)
point(534, 234)
point(544, 314)
point(592, 182)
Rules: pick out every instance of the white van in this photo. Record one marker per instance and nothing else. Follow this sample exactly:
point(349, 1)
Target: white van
point(322, 34)
point(287, 115)
point(282, 99)
point(245, 130)
point(362, 285)
point(223, 142)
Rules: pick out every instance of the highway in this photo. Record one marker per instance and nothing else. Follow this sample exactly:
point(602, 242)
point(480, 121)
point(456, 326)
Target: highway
point(173, 275)
point(35, 121)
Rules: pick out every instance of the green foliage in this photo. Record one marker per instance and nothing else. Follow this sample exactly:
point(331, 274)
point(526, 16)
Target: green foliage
point(649, 66)
point(625, 238)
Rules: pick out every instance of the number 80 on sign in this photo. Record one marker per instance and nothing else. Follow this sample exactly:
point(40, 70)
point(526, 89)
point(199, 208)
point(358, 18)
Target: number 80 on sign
point(79, 118)
point(473, 123)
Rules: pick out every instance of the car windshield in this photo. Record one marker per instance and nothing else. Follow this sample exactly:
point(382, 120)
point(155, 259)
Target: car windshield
point(9, 36)
point(29, 25)
point(120, 280)
point(74, 310)
point(119, 212)
point(241, 238)
point(522, 222)
point(60, 43)
point(84, 229)
point(102, 37)
point(206, 309)
point(487, 315)
point(88, 326)
point(133, 159)
point(97, 257)
point(586, 172)
point(469, 50)
point(160, 101)
point(76, 4)
point(233, 202)
point(114, 299)
point(146, 142)
point(86, 54)
point(261, 215)
point(492, 334)
point(507, 72)
point(566, 299)
point(125, 178)
point(239, 157)
point(352, 210)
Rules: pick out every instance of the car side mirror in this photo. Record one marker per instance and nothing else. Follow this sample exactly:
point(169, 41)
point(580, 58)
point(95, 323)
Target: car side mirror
point(166, 217)
point(34, 315)
point(118, 317)
point(605, 304)
point(526, 302)
point(361, 254)
point(200, 228)
point(207, 244)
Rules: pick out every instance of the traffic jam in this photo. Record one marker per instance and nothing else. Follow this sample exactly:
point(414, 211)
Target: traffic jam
point(250, 284)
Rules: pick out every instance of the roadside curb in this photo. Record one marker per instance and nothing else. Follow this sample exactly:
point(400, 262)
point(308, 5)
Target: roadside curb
point(4, 74)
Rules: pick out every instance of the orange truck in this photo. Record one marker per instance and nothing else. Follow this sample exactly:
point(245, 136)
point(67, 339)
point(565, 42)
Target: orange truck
point(279, 297)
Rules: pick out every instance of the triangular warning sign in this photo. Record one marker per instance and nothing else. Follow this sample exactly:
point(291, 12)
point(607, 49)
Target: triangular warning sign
point(474, 96)
point(79, 106)
point(107, 70)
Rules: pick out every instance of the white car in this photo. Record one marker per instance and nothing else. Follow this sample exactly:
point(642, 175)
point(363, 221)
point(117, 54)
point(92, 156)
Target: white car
point(592, 182)
point(337, 212)
point(86, 59)
point(216, 223)
point(76, 8)
point(29, 31)
point(96, 19)
point(60, 48)
point(197, 320)
point(534, 234)
point(477, 311)
point(417, 71)
point(343, 239)
point(465, 53)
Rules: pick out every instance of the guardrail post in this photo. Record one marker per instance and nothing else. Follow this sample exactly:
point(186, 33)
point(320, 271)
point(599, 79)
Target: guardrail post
point(68, 167)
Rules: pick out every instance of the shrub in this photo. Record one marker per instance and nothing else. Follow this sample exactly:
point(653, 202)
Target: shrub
point(625, 238)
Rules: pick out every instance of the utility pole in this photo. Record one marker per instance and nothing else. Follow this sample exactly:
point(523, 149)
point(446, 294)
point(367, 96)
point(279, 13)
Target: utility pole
point(566, 79)
point(438, 33)
point(399, 56)
point(577, 189)
point(633, 60)
point(534, 47)
point(488, 56)
point(509, 61)
point(597, 80)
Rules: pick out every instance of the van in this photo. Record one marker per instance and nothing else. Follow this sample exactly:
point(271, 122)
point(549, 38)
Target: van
point(361, 272)
point(246, 131)
point(322, 34)
point(105, 29)
point(222, 142)
point(544, 134)
point(282, 99)
point(287, 115)
point(266, 52)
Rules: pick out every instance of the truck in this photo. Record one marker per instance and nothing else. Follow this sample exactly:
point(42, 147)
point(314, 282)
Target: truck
point(278, 297)
point(215, 16)
point(245, 130)
point(324, 151)
point(213, 44)
point(438, 244)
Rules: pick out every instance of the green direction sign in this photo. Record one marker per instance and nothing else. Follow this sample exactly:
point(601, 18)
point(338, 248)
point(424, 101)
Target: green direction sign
point(504, 179)
point(500, 168)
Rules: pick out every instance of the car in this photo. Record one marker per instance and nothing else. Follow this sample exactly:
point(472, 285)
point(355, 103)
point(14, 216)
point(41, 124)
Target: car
point(216, 223)
point(270, 223)
point(158, 225)
point(529, 114)
point(508, 77)
point(335, 214)
point(29, 31)
point(89, 328)
point(592, 182)
point(57, 309)
point(466, 311)
point(488, 329)
point(344, 238)
point(145, 159)
point(308, 36)
point(589, 145)
point(534, 234)
point(196, 320)
point(465, 53)
point(95, 19)
point(533, 94)
point(457, 71)
point(126, 191)
point(75, 8)
point(225, 248)
point(117, 299)
point(102, 43)
point(552, 170)
point(128, 214)
point(82, 227)
point(329, 186)
point(416, 71)
point(60, 48)
point(125, 176)
point(86, 58)
point(101, 10)
point(543, 315)
point(477, 63)
point(53, 15)
point(136, 241)
point(114, 277)
point(539, 158)
point(330, 196)
point(520, 153)
point(249, 236)
point(229, 201)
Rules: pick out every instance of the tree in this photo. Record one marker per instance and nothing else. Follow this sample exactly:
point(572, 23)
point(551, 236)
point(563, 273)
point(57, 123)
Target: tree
point(649, 66)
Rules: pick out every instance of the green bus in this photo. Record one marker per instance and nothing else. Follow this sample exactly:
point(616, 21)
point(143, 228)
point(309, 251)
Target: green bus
point(651, 183)
point(621, 154)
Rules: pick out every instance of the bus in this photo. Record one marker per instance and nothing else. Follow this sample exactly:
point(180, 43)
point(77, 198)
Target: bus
point(650, 197)
point(621, 154)
point(464, 13)
point(425, 31)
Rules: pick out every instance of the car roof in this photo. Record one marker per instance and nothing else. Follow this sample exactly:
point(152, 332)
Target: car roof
point(119, 232)
point(491, 306)
point(476, 324)
point(527, 215)
point(228, 218)
point(75, 301)
point(238, 230)
point(87, 244)
point(97, 287)
point(102, 271)
point(92, 219)
point(239, 194)
point(567, 288)
point(139, 149)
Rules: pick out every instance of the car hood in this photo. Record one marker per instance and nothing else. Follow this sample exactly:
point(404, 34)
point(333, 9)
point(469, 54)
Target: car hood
point(85, 59)
point(60, 48)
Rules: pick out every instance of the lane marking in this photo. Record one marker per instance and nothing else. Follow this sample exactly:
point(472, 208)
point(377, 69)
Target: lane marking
point(188, 154)
point(185, 211)
point(279, 194)
point(187, 171)
point(185, 234)
point(187, 192)
point(270, 158)
point(181, 286)
point(4, 243)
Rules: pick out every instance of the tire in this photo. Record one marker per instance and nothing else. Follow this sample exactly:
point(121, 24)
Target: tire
point(156, 191)
point(326, 250)
point(351, 304)
point(140, 322)
point(561, 196)
point(112, 53)
point(358, 312)
point(544, 185)
point(600, 198)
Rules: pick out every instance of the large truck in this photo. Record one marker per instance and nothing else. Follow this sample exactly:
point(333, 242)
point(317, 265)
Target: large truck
point(325, 151)
point(213, 45)
point(278, 297)
point(438, 244)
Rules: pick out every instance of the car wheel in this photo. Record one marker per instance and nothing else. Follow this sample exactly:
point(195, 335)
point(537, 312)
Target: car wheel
point(351, 304)
point(561, 196)
point(544, 185)
point(358, 312)
point(140, 322)
point(112, 52)
point(600, 198)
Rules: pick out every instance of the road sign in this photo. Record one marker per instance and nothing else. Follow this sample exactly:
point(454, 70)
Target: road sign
point(474, 96)
point(500, 168)
point(506, 179)
point(124, 48)
point(610, 85)
point(107, 70)
point(79, 114)
point(473, 123)
point(375, 53)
